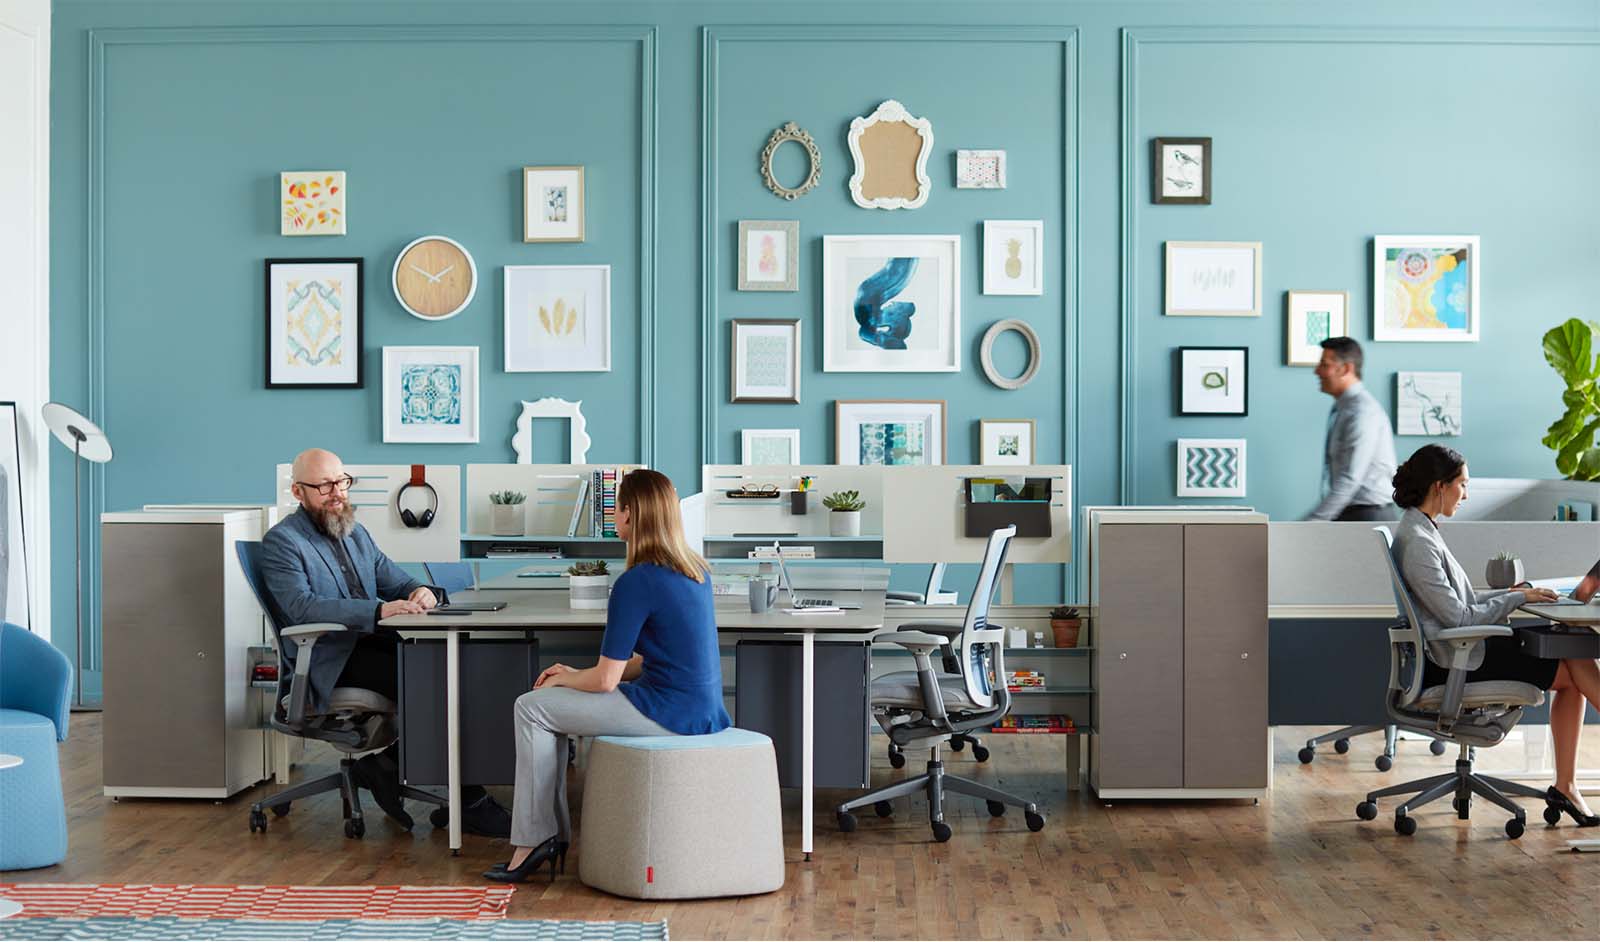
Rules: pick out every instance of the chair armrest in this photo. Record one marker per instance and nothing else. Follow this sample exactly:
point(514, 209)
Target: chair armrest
point(949, 629)
point(312, 631)
point(305, 638)
point(917, 642)
point(905, 598)
point(1462, 641)
point(1472, 633)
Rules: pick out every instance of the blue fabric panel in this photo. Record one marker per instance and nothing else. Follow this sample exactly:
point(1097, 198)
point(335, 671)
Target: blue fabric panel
point(34, 676)
point(33, 817)
point(730, 738)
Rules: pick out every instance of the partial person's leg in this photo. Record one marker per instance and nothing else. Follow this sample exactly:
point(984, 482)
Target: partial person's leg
point(1566, 727)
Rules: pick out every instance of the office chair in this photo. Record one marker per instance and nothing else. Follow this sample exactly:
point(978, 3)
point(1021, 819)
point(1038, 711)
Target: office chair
point(356, 721)
point(1341, 744)
point(1474, 714)
point(938, 596)
point(925, 706)
point(451, 577)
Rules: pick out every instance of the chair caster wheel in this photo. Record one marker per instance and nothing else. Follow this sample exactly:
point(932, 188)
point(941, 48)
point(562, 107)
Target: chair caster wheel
point(1404, 824)
point(355, 827)
point(1552, 815)
point(1436, 747)
point(997, 809)
point(1383, 762)
point(1035, 820)
point(258, 821)
point(1367, 810)
point(956, 745)
point(897, 759)
point(980, 753)
point(1461, 808)
point(1306, 754)
point(439, 817)
point(1514, 828)
point(1341, 746)
point(883, 809)
point(847, 822)
point(281, 810)
point(941, 831)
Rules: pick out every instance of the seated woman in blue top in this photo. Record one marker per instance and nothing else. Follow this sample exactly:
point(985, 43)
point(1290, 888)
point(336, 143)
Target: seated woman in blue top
point(1432, 483)
point(659, 673)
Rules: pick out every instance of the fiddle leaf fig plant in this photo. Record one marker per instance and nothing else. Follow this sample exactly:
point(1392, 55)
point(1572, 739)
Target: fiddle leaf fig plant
point(1570, 349)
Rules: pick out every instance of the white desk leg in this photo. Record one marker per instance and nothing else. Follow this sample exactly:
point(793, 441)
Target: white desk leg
point(452, 667)
point(807, 705)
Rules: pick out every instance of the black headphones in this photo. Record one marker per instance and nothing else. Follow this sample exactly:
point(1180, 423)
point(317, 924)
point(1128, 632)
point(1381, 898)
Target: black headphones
point(419, 478)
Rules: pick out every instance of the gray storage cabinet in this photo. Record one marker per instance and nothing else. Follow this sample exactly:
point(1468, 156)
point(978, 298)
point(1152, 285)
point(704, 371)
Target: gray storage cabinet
point(1181, 642)
point(767, 700)
point(181, 720)
point(494, 673)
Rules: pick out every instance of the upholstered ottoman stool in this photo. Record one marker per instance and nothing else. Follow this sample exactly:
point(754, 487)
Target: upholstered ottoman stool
point(678, 817)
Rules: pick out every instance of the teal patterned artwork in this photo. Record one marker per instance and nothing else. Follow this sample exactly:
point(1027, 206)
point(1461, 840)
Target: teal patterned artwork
point(1319, 327)
point(314, 323)
point(1211, 467)
point(430, 394)
point(892, 443)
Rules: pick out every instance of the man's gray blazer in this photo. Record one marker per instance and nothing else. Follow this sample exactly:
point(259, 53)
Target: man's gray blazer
point(302, 576)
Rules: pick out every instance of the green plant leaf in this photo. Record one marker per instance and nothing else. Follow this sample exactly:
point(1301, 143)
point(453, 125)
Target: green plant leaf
point(1588, 468)
point(1569, 349)
point(1567, 458)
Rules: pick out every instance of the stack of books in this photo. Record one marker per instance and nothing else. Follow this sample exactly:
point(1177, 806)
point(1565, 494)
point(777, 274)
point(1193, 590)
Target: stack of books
point(1575, 510)
point(789, 552)
point(603, 512)
point(1023, 680)
point(1051, 723)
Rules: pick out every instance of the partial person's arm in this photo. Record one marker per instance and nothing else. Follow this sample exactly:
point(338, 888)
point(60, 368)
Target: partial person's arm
point(287, 583)
point(635, 667)
point(626, 613)
point(1350, 455)
point(601, 678)
point(1424, 571)
point(392, 582)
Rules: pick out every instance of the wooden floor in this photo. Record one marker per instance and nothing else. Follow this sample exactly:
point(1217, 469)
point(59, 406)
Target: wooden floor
point(1297, 866)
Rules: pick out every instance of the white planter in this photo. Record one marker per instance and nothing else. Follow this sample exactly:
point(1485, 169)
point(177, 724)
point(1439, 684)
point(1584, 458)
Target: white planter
point(588, 592)
point(507, 519)
point(844, 523)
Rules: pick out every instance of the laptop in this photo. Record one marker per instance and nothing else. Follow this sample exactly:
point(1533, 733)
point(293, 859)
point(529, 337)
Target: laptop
point(797, 603)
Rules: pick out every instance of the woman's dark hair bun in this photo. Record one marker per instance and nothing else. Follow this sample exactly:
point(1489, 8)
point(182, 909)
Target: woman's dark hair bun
point(1427, 466)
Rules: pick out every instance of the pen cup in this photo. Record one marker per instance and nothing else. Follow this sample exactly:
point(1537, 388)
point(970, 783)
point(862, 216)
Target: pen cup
point(797, 503)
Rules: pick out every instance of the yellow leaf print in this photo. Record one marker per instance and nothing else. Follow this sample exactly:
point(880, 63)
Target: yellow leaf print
point(544, 317)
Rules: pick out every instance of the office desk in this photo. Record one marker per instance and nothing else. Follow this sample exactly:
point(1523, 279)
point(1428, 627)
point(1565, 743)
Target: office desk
point(806, 576)
point(1587, 615)
point(527, 611)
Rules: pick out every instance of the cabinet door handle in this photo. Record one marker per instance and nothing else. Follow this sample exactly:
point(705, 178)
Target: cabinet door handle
point(1245, 656)
point(1123, 656)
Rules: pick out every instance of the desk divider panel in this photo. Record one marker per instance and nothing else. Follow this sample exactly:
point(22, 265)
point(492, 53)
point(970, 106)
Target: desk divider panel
point(727, 516)
point(925, 507)
point(552, 491)
point(373, 498)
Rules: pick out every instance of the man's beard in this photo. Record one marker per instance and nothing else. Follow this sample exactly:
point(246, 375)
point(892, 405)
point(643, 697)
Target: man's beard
point(338, 523)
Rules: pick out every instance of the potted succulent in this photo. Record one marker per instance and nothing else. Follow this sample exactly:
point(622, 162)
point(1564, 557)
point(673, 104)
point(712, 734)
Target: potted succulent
point(506, 515)
point(845, 519)
point(1504, 571)
point(588, 584)
point(1065, 625)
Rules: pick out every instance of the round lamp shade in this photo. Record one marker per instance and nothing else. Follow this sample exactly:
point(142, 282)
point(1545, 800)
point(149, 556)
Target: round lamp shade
point(71, 428)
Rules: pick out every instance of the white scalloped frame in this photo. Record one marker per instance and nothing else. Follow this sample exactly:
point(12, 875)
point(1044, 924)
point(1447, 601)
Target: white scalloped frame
point(890, 111)
point(551, 408)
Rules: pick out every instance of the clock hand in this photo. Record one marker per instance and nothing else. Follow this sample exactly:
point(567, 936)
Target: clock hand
point(447, 271)
point(432, 279)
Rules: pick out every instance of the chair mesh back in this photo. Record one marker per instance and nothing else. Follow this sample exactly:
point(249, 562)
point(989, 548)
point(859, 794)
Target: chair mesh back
point(451, 577)
point(976, 635)
point(249, 553)
point(1409, 625)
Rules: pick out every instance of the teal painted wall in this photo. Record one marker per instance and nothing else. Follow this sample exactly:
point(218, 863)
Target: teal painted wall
point(171, 121)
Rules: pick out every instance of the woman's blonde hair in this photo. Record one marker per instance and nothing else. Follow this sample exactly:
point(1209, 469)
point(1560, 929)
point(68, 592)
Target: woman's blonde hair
point(656, 524)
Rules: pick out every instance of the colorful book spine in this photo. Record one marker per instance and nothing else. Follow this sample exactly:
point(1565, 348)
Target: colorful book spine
point(1045, 724)
point(609, 502)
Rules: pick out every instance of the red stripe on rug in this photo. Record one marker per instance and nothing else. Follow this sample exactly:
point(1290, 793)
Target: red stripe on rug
point(259, 902)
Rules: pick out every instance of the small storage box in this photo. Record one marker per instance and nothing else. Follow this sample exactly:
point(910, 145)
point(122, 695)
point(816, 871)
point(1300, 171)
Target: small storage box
point(1557, 642)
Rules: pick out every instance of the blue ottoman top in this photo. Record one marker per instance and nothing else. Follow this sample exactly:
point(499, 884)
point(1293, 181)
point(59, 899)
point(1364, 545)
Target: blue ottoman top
point(22, 719)
point(731, 738)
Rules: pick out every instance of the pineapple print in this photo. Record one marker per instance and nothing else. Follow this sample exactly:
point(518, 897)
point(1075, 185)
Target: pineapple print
point(768, 263)
point(1013, 258)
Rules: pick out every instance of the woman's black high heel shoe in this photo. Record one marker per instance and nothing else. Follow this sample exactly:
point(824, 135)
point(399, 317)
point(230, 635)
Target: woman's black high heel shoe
point(1555, 803)
point(553, 850)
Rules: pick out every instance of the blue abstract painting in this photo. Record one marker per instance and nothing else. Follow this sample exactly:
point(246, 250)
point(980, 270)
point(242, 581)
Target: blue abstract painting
point(882, 321)
point(892, 443)
point(430, 394)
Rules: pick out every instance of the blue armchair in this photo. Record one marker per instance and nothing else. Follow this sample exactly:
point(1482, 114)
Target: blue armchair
point(35, 689)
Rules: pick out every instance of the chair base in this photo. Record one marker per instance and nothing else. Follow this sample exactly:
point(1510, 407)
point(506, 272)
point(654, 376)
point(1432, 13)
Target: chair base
point(1461, 784)
point(1341, 744)
point(343, 782)
point(934, 783)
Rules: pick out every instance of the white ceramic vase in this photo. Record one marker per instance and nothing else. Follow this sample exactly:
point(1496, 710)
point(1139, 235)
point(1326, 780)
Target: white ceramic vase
point(507, 519)
point(588, 592)
point(844, 523)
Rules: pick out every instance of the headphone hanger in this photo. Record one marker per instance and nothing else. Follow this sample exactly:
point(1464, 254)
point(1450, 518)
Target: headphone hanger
point(419, 478)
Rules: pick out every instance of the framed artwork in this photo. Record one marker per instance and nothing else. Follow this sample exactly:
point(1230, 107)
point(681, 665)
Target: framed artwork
point(980, 169)
point(314, 323)
point(766, 360)
point(1315, 316)
point(1182, 170)
point(1013, 256)
point(890, 148)
point(1427, 404)
point(769, 446)
point(796, 134)
point(889, 431)
point(1005, 441)
point(558, 318)
point(1425, 288)
point(552, 408)
point(1213, 279)
point(891, 304)
point(769, 255)
point(430, 395)
point(14, 601)
point(1211, 467)
point(312, 202)
point(1213, 381)
point(553, 204)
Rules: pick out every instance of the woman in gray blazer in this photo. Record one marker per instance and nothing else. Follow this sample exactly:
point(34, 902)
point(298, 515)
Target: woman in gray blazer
point(1431, 484)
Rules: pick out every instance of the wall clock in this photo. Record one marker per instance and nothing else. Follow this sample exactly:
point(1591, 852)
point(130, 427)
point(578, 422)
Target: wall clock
point(434, 278)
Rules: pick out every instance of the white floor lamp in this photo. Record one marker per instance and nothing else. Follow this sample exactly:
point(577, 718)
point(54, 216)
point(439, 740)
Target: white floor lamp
point(88, 443)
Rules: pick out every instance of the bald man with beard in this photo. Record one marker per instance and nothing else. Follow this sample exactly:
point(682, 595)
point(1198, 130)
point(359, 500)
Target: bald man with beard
point(320, 565)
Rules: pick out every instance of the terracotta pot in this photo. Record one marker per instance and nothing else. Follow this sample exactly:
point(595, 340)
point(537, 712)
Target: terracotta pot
point(1066, 631)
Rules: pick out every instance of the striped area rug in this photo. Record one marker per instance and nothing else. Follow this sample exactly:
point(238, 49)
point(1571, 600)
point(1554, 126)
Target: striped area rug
point(76, 900)
point(182, 930)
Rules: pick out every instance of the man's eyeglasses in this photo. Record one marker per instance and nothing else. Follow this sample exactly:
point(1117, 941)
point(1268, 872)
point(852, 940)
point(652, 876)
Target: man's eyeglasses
point(328, 487)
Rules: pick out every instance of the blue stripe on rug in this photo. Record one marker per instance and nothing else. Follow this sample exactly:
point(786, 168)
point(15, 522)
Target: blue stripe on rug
point(175, 928)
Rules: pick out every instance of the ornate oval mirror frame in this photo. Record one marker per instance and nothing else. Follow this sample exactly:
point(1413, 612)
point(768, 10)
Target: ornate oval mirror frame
point(791, 132)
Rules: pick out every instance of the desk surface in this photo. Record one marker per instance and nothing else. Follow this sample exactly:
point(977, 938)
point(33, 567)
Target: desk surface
point(1568, 614)
point(549, 610)
point(807, 577)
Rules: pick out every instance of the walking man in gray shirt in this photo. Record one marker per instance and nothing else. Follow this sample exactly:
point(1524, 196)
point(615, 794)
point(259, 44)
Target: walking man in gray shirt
point(1358, 454)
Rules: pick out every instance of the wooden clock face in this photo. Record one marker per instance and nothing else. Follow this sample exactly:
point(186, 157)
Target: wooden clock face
point(434, 278)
